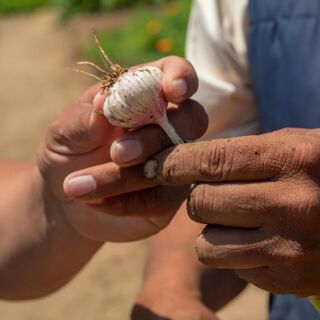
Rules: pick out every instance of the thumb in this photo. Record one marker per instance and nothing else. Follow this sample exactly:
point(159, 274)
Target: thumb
point(180, 81)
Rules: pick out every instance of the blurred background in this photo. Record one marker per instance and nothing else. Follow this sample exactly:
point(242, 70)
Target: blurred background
point(39, 39)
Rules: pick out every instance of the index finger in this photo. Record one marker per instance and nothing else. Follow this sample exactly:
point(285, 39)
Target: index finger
point(240, 159)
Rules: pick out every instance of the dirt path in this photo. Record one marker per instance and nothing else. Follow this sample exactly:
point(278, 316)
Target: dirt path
point(34, 86)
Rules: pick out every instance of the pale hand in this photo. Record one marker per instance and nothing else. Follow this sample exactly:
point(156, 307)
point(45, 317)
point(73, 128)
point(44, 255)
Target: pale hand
point(103, 200)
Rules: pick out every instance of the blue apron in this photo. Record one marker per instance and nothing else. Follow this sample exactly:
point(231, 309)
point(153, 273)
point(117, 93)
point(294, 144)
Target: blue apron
point(284, 57)
point(284, 54)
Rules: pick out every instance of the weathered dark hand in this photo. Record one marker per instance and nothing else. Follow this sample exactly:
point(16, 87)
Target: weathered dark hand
point(260, 196)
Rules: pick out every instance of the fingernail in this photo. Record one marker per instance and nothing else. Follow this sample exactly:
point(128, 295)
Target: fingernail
point(126, 150)
point(180, 88)
point(81, 186)
point(150, 169)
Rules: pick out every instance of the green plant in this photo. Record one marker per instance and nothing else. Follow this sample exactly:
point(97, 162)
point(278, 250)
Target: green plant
point(112, 4)
point(12, 6)
point(149, 35)
point(70, 7)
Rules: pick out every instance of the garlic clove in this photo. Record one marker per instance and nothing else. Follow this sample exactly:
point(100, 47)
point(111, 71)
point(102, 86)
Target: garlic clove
point(136, 99)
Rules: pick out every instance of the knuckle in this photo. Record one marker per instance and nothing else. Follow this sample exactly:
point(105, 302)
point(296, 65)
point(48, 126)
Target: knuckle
point(73, 135)
point(285, 253)
point(279, 157)
point(312, 202)
point(310, 155)
point(259, 201)
point(57, 133)
point(200, 161)
point(214, 161)
point(307, 203)
point(286, 131)
point(301, 207)
point(302, 155)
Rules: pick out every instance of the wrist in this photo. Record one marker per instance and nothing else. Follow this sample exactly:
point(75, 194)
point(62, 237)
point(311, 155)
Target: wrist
point(58, 209)
point(170, 286)
point(169, 271)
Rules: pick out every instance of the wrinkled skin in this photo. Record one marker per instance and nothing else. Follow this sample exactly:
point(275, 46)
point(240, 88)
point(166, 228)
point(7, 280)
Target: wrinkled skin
point(260, 197)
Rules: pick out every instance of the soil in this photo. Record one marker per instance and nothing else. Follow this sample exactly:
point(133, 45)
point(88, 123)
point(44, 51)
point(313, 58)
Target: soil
point(35, 50)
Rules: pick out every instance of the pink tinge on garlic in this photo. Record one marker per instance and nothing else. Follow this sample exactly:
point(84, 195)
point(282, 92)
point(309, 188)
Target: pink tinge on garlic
point(136, 99)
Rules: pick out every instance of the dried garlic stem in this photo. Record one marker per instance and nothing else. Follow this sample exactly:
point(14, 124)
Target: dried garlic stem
point(170, 131)
point(123, 106)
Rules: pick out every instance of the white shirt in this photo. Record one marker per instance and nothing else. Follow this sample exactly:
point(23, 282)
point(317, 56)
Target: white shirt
point(217, 47)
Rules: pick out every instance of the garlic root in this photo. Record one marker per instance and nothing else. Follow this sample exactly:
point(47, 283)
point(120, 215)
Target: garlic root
point(134, 97)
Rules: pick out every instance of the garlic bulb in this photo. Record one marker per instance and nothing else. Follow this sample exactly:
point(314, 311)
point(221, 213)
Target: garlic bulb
point(134, 97)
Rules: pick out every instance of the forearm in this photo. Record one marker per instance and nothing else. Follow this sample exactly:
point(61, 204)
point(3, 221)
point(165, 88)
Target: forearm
point(172, 252)
point(39, 250)
point(173, 265)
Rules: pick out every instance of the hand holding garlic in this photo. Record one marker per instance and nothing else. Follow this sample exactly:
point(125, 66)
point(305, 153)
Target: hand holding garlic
point(49, 219)
point(134, 97)
point(95, 170)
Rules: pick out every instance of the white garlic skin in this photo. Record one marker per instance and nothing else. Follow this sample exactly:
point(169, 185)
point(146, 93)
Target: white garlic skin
point(136, 99)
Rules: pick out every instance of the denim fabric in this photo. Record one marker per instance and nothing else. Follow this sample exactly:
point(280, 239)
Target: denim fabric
point(284, 58)
point(284, 55)
point(289, 307)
